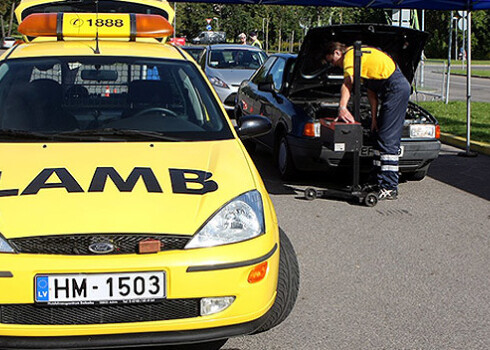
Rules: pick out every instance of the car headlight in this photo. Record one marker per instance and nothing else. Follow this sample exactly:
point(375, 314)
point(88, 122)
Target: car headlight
point(240, 219)
point(4, 246)
point(422, 131)
point(218, 82)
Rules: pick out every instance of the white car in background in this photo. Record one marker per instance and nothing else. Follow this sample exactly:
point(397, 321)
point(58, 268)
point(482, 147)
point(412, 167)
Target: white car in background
point(8, 42)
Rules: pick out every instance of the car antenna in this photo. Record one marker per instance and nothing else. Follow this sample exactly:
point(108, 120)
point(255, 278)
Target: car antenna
point(97, 51)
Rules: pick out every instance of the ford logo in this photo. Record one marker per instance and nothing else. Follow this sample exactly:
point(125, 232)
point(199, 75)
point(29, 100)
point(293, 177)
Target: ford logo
point(101, 248)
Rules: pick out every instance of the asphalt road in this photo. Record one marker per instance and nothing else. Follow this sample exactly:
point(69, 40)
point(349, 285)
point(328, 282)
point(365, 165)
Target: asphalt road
point(406, 274)
point(433, 85)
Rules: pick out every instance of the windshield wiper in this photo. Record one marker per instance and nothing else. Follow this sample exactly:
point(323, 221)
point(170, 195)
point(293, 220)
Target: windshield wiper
point(23, 134)
point(145, 134)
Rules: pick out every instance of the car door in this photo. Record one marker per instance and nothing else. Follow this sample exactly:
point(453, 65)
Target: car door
point(249, 94)
point(272, 103)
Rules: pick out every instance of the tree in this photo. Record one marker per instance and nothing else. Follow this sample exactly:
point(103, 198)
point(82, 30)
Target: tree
point(284, 20)
point(6, 8)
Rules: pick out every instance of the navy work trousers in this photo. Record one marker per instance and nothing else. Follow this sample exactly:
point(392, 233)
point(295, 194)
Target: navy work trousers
point(393, 94)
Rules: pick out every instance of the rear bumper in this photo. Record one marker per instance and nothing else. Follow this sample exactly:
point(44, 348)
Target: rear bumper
point(131, 339)
point(311, 155)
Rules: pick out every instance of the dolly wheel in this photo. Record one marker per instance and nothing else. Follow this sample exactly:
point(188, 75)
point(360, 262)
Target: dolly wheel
point(310, 193)
point(371, 199)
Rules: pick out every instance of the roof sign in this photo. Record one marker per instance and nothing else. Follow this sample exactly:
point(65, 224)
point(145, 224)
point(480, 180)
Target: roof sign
point(90, 25)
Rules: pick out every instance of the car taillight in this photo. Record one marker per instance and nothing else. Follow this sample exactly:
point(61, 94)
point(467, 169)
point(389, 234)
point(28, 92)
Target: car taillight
point(438, 132)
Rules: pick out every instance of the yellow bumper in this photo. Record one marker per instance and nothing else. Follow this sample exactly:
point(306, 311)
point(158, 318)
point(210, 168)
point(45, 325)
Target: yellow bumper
point(198, 273)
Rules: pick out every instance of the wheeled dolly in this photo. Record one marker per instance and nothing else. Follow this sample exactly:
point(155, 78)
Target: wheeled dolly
point(365, 195)
point(347, 138)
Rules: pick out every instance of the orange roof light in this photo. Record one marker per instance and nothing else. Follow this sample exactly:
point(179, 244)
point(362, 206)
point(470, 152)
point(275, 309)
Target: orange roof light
point(39, 24)
point(90, 25)
point(152, 26)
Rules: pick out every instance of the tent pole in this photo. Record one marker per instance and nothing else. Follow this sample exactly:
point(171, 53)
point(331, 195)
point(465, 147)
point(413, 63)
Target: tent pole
point(175, 19)
point(468, 152)
point(422, 60)
point(449, 49)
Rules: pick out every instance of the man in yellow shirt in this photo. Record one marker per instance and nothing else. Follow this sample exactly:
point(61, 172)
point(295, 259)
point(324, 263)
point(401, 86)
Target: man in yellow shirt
point(387, 88)
point(254, 40)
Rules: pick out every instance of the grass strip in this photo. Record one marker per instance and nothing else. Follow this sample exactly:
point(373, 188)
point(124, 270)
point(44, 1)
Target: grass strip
point(452, 118)
point(474, 72)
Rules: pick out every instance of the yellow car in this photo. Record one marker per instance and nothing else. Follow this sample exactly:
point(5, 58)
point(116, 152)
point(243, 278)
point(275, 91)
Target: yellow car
point(130, 211)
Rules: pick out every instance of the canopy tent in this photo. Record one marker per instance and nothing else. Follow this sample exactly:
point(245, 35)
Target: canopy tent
point(466, 5)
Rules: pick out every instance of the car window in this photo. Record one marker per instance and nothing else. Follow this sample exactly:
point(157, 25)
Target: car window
point(235, 59)
point(53, 95)
point(261, 74)
point(195, 52)
point(277, 73)
point(202, 58)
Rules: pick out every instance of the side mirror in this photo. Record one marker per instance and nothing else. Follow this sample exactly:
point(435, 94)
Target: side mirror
point(253, 126)
point(266, 87)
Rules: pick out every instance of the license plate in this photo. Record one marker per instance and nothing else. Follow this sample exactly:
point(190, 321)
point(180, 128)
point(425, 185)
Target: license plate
point(367, 151)
point(401, 151)
point(103, 288)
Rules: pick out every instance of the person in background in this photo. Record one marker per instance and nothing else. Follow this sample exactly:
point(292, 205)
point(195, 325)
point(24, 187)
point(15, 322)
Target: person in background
point(386, 87)
point(255, 41)
point(243, 38)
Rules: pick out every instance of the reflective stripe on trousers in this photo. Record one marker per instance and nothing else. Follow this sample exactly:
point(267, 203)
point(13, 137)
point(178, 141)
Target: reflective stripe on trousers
point(394, 93)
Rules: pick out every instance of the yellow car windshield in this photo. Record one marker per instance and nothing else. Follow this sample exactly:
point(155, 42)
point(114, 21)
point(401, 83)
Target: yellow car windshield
point(92, 96)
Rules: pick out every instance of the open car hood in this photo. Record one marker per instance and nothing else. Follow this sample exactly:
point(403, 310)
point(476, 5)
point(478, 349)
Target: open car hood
point(405, 45)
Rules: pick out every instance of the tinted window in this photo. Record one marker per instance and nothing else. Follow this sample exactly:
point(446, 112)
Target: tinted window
point(54, 95)
point(194, 51)
point(277, 73)
point(236, 59)
point(261, 74)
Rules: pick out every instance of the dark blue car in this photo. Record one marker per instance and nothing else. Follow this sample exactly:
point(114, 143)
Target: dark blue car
point(296, 92)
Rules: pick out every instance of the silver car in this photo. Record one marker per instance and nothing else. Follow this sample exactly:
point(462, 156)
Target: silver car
point(227, 65)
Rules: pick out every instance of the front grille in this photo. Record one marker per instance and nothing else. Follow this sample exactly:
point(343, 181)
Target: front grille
point(79, 244)
point(30, 314)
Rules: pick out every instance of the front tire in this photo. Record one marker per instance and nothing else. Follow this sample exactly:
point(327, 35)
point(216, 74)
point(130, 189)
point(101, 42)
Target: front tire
point(284, 160)
point(287, 285)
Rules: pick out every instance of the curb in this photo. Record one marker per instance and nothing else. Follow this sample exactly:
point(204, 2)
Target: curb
point(460, 142)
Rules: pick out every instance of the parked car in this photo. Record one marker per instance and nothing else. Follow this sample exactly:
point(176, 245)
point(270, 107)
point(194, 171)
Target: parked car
point(209, 37)
point(178, 41)
point(295, 92)
point(194, 51)
point(131, 213)
point(227, 65)
point(8, 42)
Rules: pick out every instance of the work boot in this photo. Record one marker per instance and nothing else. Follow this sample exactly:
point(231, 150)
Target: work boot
point(387, 194)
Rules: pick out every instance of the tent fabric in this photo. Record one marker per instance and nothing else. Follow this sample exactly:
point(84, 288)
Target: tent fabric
point(387, 4)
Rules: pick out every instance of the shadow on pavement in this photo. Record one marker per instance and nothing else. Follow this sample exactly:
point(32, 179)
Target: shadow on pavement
point(468, 174)
point(264, 162)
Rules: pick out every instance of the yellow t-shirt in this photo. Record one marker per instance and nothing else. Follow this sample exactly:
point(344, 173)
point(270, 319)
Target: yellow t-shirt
point(375, 64)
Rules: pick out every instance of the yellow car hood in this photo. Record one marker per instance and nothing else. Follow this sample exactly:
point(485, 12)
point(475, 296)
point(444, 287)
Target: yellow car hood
point(164, 187)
